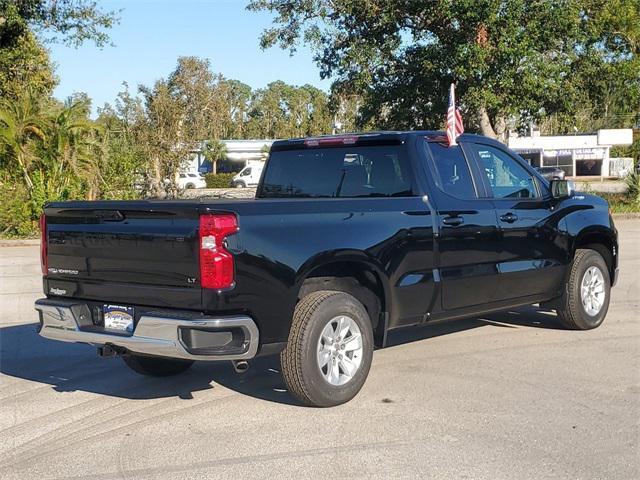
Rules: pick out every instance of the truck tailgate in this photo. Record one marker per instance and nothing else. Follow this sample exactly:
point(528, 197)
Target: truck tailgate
point(124, 250)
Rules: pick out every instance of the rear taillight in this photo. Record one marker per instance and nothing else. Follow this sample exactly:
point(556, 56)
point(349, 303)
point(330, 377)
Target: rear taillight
point(216, 262)
point(43, 244)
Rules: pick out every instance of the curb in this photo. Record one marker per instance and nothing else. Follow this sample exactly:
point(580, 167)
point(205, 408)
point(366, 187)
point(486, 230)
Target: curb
point(626, 216)
point(22, 242)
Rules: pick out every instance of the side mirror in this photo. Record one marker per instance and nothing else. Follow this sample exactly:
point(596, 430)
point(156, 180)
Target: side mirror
point(562, 188)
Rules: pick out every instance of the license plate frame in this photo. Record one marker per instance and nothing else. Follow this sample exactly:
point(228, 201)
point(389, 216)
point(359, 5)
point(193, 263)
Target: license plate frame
point(118, 318)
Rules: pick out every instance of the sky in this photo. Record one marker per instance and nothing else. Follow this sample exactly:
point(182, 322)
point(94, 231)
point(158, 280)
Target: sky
point(152, 34)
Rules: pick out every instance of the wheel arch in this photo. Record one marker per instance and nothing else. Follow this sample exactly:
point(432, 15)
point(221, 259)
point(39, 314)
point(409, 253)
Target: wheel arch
point(354, 273)
point(601, 240)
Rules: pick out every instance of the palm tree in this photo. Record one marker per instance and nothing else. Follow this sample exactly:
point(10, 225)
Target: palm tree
point(73, 148)
point(214, 150)
point(21, 124)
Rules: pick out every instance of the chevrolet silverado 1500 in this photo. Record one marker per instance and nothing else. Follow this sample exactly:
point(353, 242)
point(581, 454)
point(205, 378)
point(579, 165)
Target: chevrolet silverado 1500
point(348, 238)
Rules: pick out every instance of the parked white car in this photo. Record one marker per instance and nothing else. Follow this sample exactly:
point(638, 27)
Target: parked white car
point(187, 181)
point(249, 176)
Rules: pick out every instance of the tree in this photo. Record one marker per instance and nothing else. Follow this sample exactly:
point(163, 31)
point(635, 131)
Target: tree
point(175, 116)
point(266, 115)
point(283, 111)
point(317, 109)
point(509, 59)
point(195, 87)
point(70, 21)
point(24, 62)
point(72, 150)
point(25, 66)
point(213, 151)
point(159, 130)
point(47, 153)
point(122, 163)
point(236, 99)
point(21, 124)
point(346, 108)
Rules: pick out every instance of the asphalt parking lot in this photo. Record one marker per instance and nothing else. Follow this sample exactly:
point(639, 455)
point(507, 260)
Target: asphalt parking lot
point(508, 396)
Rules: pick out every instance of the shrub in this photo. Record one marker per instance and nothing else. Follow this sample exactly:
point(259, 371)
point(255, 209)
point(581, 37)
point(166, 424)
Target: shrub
point(633, 187)
point(219, 180)
point(122, 170)
point(17, 215)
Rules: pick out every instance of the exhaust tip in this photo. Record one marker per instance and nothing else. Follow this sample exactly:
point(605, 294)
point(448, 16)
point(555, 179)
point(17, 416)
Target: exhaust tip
point(240, 366)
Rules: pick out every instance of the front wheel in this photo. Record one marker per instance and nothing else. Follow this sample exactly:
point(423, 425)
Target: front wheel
point(330, 348)
point(156, 366)
point(586, 300)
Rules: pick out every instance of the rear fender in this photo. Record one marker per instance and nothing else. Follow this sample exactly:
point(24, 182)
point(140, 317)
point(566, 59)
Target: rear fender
point(325, 260)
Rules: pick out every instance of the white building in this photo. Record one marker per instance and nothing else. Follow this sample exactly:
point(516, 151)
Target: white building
point(239, 153)
point(577, 155)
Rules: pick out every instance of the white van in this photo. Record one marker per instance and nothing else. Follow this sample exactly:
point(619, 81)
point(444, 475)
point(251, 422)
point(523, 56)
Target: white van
point(249, 176)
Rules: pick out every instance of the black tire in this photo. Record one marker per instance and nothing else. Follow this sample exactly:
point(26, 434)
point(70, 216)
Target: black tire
point(156, 366)
point(300, 367)
point(571, 311)
point(240, 185)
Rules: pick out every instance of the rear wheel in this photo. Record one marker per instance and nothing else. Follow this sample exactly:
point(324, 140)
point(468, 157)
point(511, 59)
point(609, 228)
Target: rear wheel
point(586, 300)
point(156, 366)
point(330, 348)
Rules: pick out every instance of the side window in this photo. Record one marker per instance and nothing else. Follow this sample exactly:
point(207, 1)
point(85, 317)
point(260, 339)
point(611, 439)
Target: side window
point(452, 171)
point(507, 178)
point(247, 171)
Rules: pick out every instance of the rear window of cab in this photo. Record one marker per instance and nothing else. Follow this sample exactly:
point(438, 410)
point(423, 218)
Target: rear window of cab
point(345, 172)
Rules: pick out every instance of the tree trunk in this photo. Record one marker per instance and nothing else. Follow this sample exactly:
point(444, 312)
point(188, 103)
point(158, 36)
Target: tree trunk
point(487, 127)
point(501, 128)
point(484, 122)
point(214, 166)
point(157, 188)
point(25, 173)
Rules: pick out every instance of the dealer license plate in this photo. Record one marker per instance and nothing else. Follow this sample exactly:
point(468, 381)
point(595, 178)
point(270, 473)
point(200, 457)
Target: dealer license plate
point(118, 317)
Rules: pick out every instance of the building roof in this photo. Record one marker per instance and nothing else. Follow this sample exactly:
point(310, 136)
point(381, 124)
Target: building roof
point(603, 138)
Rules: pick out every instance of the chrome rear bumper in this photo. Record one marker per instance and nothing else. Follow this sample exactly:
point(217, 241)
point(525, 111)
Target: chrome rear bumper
point(154, 334)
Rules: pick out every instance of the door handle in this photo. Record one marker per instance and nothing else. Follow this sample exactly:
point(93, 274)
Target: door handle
point(453, 221)
point(509, 217)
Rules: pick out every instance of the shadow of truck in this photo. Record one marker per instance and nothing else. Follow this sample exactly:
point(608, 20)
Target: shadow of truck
point(69, 367)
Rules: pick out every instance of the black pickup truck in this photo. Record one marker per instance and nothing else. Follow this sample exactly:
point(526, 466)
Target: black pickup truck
point(348, 238)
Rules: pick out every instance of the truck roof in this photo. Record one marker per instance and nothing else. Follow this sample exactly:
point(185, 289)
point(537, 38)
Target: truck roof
point(384, 137)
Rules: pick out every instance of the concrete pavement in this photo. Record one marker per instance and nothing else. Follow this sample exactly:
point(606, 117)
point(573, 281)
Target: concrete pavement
point(507, 396)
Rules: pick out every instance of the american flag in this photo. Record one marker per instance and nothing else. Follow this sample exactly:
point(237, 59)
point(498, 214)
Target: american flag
point(454, 119)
